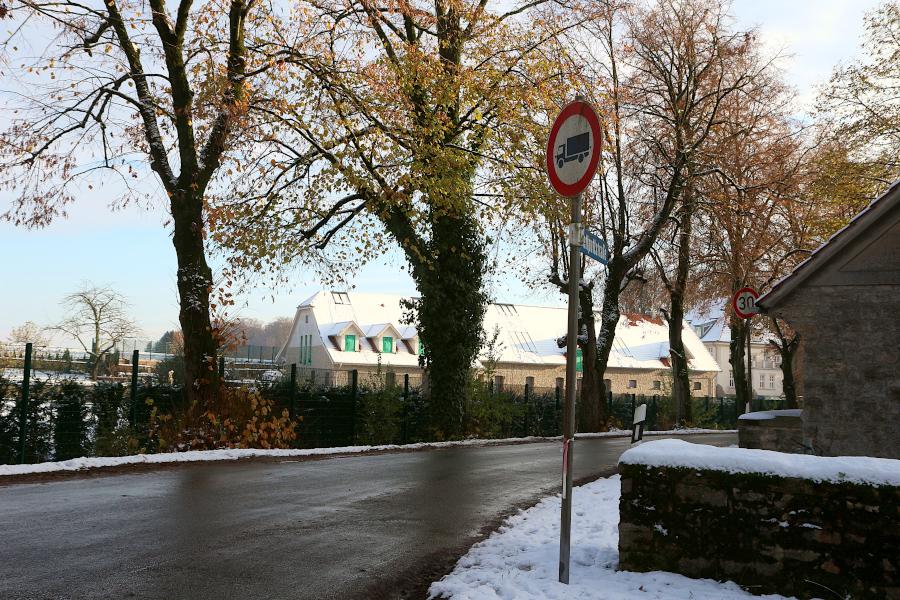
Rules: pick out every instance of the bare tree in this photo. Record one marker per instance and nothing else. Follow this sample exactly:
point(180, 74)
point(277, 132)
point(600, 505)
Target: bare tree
point(97, 318)
point(29, 332)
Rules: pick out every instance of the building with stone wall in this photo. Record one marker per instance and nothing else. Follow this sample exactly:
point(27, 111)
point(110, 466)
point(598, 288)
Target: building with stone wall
point(844, 300)
point(343, 331)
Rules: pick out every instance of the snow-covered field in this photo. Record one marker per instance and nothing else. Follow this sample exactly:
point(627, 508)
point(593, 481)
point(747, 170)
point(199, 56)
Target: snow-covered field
point(520, 561)
point(78, 464)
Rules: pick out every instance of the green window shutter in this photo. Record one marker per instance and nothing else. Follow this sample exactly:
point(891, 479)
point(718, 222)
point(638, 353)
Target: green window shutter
point(309, 351)
point(387, 344)
point(579, 361)
point(421, 348)
point(349, 343)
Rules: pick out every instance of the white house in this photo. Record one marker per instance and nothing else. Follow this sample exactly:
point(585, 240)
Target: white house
point(337, 332)
point(712, 328)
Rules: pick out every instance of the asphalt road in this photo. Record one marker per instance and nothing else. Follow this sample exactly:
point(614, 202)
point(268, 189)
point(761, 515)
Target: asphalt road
point(365, 526)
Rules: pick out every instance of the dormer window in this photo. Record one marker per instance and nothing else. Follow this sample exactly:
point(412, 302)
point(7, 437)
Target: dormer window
point(340, 297)
point(387, 344)
point(349, 343)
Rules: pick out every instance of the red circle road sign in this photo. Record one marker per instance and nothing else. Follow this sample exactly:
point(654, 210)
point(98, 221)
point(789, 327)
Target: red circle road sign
point(744, 303)
point(573, 150)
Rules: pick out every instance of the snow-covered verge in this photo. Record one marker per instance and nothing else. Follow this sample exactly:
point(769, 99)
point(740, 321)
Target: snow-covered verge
point(78, 464)
point(521, 560)
point(852, 469)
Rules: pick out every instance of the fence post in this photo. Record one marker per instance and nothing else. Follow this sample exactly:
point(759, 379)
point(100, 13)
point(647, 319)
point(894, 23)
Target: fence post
point(293, 396)
point(354, 393)
point(135, 357)
point(404, 433)
point(527, 409)
point(556, 413)
point(23, 410)
point(633, 407)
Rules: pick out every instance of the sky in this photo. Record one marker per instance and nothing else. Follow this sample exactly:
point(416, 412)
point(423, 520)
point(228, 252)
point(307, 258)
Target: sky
point(130, 249)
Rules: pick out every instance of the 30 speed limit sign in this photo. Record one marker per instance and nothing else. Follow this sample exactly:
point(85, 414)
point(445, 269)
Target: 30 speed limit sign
point(744, 303)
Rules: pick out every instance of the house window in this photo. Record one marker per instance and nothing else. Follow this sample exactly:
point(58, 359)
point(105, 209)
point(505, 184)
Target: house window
point(390, 379)
point(349, 343)
point(771, 382)
point(498, 383)
point(307, 318)
point(608, 384)
point(529, 381)
point(632, 384)
point(657, 385)
point(579, 361)
point(698, 385)
point(731, 380)
point(340, 297)
point(387, 344)
point(560, 383)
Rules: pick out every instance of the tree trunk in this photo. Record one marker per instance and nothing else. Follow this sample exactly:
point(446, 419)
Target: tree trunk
point(592, 411)
point(787, 348)
point(609, 320)
point(737, 358)
point(194, 287)
point(681, 382)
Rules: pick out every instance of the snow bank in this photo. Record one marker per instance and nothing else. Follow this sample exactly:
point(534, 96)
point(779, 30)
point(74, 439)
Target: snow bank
point(521, 560)
point(767, 415)
point(78, 464)
point(852, 469)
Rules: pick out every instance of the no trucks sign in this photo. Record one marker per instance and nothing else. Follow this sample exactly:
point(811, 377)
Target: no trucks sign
point(573, 150)
point(744, 303)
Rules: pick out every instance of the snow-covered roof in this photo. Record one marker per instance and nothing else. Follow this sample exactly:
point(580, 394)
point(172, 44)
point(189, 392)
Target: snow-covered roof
point(527, 334)
point(711, 324)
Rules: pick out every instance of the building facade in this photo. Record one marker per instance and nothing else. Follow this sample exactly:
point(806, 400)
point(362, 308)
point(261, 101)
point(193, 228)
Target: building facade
point(712, 328)
point(844, 300)
point(339, 332)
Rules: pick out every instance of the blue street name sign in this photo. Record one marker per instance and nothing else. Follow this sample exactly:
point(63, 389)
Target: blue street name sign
point(594, 247)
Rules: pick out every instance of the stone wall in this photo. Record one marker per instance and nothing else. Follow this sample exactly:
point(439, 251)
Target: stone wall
point(851, 341)
point(768, 533)
point(779, 430)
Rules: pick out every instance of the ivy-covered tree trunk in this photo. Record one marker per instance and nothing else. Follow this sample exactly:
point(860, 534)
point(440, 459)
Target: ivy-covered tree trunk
point(449, 314)
point(609, 321)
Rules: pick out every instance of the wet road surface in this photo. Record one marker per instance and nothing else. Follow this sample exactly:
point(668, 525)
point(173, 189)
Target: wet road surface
point(351, 527)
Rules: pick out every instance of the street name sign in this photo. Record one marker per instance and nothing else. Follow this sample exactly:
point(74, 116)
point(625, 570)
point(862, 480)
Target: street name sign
point(744, 303)
point(573, 149)
point(595, 247)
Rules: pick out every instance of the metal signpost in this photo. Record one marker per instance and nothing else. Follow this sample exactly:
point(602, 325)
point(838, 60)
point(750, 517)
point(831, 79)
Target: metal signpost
point(573, 153)
point(744, 304)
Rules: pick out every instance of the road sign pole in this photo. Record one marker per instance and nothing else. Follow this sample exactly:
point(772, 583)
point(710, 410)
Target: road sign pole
point(565, 532)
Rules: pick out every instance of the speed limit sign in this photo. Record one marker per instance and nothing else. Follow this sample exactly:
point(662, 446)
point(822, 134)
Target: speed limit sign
point(744, 303)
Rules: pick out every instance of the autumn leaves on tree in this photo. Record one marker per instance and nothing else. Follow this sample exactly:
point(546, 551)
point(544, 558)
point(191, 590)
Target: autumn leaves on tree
point(325, 133)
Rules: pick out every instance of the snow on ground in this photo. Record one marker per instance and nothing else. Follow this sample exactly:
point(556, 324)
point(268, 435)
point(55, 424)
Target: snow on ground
point(77, 464)
point(852, 469)
point(521, 560)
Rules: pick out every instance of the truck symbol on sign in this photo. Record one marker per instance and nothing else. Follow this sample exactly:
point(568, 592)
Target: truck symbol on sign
point(576, 147)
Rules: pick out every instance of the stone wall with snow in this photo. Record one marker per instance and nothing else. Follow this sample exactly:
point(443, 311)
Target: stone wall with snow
point(779, 430)
point(773, 522)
